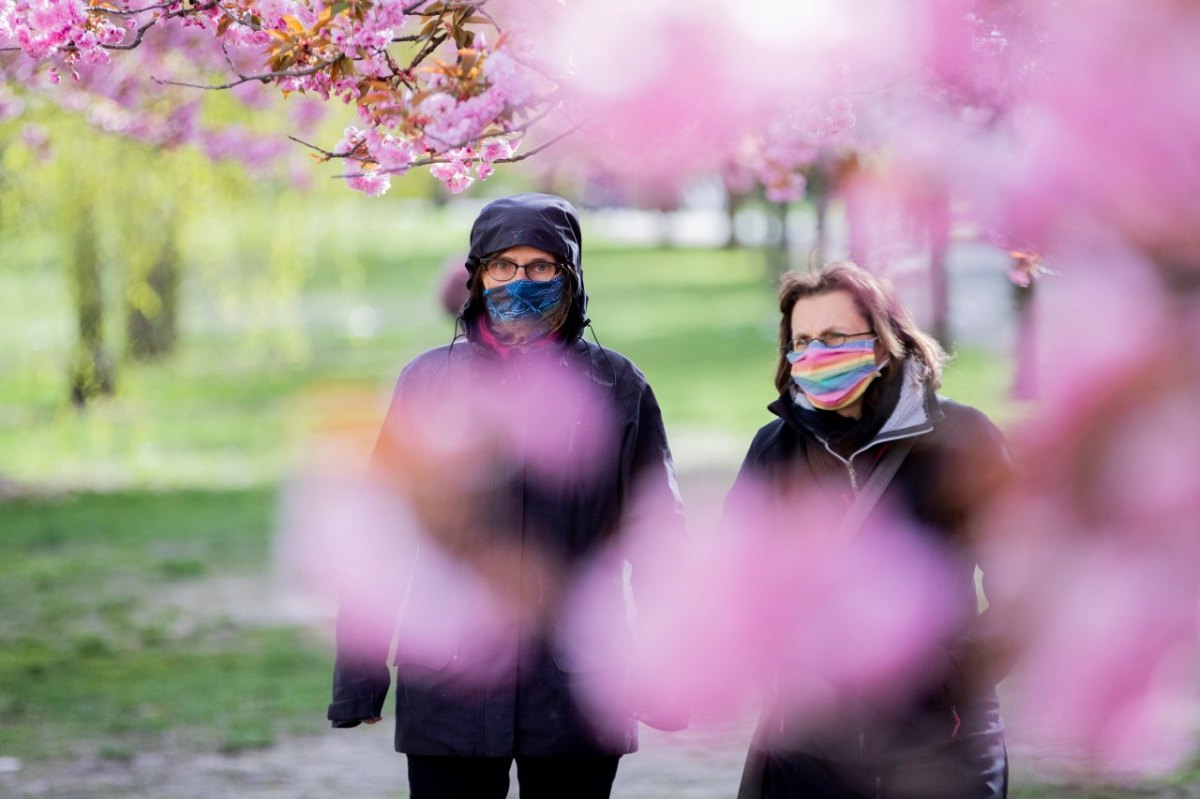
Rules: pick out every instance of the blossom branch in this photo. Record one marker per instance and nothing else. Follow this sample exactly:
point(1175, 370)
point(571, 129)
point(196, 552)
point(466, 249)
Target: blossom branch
point(141, 30)
point(264, 77)
point(128, 12)
point(441, 159)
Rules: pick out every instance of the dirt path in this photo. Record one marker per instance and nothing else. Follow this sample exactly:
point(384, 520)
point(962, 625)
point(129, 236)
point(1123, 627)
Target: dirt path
point(698, 764)
point(702, 763)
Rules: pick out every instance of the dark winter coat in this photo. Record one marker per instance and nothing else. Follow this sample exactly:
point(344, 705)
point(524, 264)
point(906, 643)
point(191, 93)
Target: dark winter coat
point(947, 739)
point(564, 516)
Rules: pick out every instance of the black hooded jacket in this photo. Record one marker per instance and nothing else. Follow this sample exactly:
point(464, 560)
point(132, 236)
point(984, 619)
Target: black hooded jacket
point(947, 728)
point(562, 515)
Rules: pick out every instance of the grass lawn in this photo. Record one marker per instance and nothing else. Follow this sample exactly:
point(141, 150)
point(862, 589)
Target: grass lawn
point(93, 661)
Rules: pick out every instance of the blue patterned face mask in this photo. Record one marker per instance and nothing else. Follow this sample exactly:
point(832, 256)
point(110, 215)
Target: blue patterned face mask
point(521, 308)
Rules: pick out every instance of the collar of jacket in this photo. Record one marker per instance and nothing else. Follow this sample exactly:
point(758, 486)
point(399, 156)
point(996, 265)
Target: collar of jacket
point(473, 347)
point(916, 412)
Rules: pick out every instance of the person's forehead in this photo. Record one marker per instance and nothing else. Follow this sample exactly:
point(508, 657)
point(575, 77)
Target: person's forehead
point(820, 312)
point(526, 252)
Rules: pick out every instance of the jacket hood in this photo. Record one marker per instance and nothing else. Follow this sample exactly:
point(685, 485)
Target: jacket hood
point(544, 221)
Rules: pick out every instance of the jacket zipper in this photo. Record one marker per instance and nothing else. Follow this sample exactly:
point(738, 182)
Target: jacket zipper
point(849, 464)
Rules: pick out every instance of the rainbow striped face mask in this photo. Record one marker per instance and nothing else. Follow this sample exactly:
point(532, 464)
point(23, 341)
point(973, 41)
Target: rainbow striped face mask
point(834, 377)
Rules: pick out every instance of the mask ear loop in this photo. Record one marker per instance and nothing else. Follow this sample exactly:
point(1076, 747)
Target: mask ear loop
point(612, 370)
point(577, 296)
point(459, 332)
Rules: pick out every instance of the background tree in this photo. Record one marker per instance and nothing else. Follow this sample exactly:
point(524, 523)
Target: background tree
point(91, 373)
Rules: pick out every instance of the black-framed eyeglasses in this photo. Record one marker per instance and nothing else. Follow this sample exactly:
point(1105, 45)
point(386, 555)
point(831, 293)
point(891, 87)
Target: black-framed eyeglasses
point(503, 270)
point(801, 343)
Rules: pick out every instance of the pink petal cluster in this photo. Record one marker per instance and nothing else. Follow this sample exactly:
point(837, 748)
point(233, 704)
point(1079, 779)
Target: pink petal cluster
point(457, 123)
point(468, 164)
point(348, 52)
point(669, 91)
point(356, 542)
point(1095, 550)
point(779, 155)
point(273, 13)
point(413, 541)
point(371, 160)
point(11, 106)
point(48, 28)
point(773, 606)
point(235, 143)
point(370, 35)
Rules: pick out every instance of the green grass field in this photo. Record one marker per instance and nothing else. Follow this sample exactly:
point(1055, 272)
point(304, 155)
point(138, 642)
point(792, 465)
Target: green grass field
point(95, 661)
point(173, 481)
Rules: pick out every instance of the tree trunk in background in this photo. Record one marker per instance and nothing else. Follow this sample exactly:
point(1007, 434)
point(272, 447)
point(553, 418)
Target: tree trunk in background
point(777, 251)
point(819, 185)
point(91, 369)
point(821, 212)
point(733, 203)
point(152, 301)
point(939, 245)
point(1025, 376)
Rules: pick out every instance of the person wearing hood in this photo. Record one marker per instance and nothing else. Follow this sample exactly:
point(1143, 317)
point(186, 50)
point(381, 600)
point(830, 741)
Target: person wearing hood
point(861, 425)
point(525, 314)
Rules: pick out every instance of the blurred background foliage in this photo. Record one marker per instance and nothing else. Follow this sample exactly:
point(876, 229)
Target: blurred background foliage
point(199, 297)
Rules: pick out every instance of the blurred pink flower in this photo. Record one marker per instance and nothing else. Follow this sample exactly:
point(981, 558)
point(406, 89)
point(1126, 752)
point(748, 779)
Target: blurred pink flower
point(356, 541)
point(772, 606)
point(1110, 682)
point(1094, 555)
point(669, 92)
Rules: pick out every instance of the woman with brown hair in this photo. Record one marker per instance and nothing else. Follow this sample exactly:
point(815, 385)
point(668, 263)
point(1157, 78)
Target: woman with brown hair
point(861, 423)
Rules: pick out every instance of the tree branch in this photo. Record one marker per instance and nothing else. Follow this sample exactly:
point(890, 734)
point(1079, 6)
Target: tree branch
point(322, 151)
point(264, 77)
point(487, 16)
point(536, 118)
point(550, 143)
point(435, 41)
point(442, 159)
point(128, 12)
point(141, 31)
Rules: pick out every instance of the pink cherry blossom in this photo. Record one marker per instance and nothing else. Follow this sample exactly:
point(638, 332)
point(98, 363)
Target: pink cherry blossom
point(495, 148)
point(372, 181)
point(454, 174)
point(774, 605)
point(354, 541)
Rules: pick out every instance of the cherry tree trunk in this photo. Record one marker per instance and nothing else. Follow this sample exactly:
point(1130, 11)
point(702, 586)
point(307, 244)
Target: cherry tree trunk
point(91, 371)
point(152, 301)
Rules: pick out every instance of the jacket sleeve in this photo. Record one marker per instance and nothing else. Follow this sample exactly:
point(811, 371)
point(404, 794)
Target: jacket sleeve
point(980, 654)
point(361, 676)
point(745, 496)
point(653, 515)
point(366, 621)
point(652, 491)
